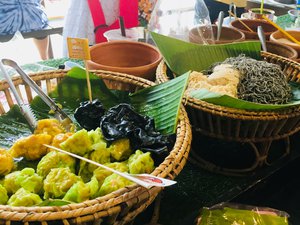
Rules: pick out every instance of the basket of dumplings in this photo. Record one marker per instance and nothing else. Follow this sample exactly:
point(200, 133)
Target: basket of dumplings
point(235, 91)
point(117, 129)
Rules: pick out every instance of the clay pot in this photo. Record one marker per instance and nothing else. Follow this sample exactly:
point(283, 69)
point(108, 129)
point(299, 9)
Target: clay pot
point(228, 35)
point(279, 37)
point(134, 58)
point(282, 50)
point(253, 24)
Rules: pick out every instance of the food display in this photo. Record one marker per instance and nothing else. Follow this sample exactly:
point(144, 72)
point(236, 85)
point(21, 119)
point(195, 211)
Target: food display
point(245, 78)
point(170, 122)
point(60, 176)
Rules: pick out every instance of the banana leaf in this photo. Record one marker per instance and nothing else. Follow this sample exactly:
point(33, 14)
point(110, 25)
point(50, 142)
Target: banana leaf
point(160, 102)
point(228, 101)
point(229, 216)
point(54, 202)
point(182, 56)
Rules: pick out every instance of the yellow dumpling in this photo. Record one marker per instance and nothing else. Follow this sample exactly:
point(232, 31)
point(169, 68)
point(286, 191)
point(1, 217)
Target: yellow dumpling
point(120, 149)
point(49, 126)
point(6, 162)
point(31, 147)
point(60, 138)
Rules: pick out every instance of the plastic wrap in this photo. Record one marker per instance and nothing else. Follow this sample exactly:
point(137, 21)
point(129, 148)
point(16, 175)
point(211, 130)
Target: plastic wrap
point(176, 18)
point(237, 214)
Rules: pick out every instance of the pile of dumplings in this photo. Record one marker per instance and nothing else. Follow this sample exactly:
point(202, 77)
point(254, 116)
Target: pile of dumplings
point(60, 176)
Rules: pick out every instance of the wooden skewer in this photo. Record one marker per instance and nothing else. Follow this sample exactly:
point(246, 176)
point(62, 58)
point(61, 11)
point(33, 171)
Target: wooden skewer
point(282, 30)
point(245, 25)
point(145, 180)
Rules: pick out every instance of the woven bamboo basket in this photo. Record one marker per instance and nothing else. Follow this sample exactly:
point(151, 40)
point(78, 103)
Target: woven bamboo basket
point(119, 207)
point(238, 125)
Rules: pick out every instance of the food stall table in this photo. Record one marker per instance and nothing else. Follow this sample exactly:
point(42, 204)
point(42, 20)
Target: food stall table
point(197, 187)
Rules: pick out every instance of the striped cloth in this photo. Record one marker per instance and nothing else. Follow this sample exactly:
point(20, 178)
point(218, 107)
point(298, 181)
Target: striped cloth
point(21, 15)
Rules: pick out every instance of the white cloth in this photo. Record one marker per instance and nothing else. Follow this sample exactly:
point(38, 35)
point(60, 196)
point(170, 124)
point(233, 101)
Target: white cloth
point(79, 23)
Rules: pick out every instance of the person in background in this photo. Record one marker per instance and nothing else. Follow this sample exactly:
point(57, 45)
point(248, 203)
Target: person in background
point(24, 16)
point(91, 18)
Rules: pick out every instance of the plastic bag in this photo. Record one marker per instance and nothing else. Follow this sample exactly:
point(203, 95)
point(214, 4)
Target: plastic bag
point(237, 214)
point(176, 18)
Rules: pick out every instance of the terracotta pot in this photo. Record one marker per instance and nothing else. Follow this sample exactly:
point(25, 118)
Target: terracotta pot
point(228, 35)
point(253, 24)
point(135, 58)
point(279, 37)
point(282, 50)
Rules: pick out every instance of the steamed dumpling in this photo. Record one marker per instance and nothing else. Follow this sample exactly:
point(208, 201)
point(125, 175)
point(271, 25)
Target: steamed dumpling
point(3, 195)
point(58, 182)
point(24, 197)
point(6, 162)
point(26, 178)
point(140, 163)
point(55, 159)
point(31, 147)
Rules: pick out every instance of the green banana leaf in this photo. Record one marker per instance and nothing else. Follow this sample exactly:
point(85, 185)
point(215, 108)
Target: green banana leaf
point(229, 216)
point(160, 102)
point(182, 56)
point(228, 101)
point(54, 202)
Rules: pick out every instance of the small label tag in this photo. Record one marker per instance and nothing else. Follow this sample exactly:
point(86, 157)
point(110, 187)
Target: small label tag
point(155, 181)
point(78, 48)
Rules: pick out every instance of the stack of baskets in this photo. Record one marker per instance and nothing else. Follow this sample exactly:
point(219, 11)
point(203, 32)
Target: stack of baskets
point(257, 128)
point(119, 207)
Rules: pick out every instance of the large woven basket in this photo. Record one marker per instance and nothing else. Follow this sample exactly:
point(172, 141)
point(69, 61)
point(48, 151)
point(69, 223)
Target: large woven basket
point(241, 125)
point(119, 207)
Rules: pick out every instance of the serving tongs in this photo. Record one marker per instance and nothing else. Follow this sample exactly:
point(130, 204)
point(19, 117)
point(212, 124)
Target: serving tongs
point(59, 114)
point(24, 108)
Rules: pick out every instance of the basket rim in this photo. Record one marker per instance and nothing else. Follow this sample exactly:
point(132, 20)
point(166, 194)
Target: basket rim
point(223, 111)
point(169, 168)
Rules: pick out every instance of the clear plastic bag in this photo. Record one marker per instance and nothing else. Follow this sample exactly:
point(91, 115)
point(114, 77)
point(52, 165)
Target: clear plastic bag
point(238, 214)
point(176, 18)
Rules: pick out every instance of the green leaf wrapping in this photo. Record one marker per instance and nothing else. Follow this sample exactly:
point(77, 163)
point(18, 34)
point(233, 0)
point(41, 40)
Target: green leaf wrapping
point(228, 101)
point(183, 56)
point(162, 102)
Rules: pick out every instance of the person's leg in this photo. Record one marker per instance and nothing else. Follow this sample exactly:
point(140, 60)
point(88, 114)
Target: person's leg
point(42, 46)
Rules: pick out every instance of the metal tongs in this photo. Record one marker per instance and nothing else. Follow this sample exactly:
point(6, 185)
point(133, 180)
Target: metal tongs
point(59, 114)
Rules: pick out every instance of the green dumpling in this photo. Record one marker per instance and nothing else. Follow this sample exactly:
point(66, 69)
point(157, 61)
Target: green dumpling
point(55, 159)
point(79, 143)
point(112, 183)
point(3, 195)
point(140, 162)
point(100, 174)
point(94, 187)
point(26, 178)
point(58, 182)
point(24, 197)
point(96, 136)
point(79, 192)
point(100, 155)
point(120, 149)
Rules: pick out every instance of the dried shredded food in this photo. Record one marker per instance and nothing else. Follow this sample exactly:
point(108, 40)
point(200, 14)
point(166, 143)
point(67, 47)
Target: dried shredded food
point(260, 81)
point(223, 79)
